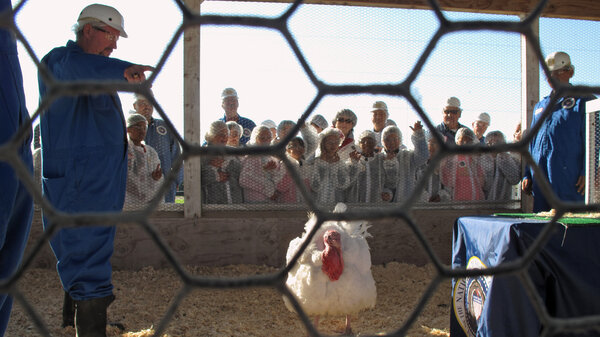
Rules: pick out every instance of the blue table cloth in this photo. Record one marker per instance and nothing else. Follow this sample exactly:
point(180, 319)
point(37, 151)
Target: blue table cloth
point(566, 274)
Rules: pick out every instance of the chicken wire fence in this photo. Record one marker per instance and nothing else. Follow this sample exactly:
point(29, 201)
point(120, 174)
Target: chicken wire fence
point(455, 155)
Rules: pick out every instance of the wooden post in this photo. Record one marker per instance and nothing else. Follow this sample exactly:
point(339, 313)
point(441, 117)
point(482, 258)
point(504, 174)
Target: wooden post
point(530, 94)
point(191, 119)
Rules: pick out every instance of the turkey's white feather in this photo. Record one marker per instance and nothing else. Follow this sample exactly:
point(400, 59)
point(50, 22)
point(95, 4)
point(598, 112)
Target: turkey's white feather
point(317, 294)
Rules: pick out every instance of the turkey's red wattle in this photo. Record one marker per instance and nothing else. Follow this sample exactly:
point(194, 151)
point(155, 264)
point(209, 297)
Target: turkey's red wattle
point(333, 263)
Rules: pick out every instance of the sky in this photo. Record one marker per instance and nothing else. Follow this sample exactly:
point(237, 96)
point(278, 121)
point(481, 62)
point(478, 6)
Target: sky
point(343, 44)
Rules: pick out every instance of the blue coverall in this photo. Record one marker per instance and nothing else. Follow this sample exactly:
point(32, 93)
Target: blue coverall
point(16, 205)
point(559, 149)
point(84, 167)
point(162, 140)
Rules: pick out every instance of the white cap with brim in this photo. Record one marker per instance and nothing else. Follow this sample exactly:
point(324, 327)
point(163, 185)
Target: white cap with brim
point(106, 14)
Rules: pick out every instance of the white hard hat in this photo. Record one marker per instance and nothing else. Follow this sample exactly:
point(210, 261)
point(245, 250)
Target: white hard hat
point(558, 60)
point(108, 15)
point(484, 117)
point(379, 105)
point(453, 102)
point(229, 92)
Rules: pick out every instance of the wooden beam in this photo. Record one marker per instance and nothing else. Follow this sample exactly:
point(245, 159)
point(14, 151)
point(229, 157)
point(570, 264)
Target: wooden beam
point(567, 9)
point(530, 94)
point(191, 114)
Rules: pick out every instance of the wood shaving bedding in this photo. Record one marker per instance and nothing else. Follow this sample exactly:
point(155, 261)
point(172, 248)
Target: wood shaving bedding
point(144, 296)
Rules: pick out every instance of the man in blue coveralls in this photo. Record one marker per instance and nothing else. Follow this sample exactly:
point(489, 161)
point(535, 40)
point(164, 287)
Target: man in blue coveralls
point(163, 141)
point(84, 160)
point(559, 146)
point(16, 206)
point(230, 105)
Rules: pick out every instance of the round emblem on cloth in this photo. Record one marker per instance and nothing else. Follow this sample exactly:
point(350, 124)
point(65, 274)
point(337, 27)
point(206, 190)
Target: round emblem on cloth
point(469, 297)
point(568, 103)
point(161, 130)
point(247, 132)
point(462, 163)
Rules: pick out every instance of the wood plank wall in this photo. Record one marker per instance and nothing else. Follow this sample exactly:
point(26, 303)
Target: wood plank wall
point(260, 240)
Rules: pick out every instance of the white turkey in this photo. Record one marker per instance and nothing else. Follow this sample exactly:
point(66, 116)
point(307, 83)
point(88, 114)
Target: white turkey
point(333, 275)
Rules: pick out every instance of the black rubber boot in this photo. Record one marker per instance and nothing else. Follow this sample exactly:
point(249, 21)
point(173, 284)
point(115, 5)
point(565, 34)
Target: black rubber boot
point(90, 316)
point(68, 313)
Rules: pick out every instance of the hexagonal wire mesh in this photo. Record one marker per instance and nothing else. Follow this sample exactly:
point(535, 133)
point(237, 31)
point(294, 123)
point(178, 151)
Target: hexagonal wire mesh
point(8, 153)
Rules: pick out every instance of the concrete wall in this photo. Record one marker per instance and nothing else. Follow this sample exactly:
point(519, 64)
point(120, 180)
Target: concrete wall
point(260, 238)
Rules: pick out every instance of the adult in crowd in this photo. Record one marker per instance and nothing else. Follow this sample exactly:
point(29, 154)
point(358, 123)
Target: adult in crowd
point(220, 174)
point(379, 118)
point(84, 160)
point(163, 141)
point(16, 205)
point(450, 125)
point(230, 105)
point(558, 148)
point(345, 120)
point(480, 126)
point(319, 123)
point(144, 174)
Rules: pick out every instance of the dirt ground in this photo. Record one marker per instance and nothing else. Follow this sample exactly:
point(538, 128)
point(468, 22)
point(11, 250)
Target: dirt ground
point(144, 296)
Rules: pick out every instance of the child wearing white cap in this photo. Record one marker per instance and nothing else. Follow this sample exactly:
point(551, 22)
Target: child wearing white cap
point(144, 175)
point(400, 165)
point(331, 176)
point(368, 182)
point(220, 175)
point(434, 190)
point(502, 170)
point(260, 174)
point(463, 173)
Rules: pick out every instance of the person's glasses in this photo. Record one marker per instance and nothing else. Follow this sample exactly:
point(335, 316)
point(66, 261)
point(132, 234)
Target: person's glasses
point(109, 36)
point(344, 120)
point(454, 112)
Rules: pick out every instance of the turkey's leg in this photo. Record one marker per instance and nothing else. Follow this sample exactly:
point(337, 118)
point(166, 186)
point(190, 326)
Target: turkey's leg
point(348, 330)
